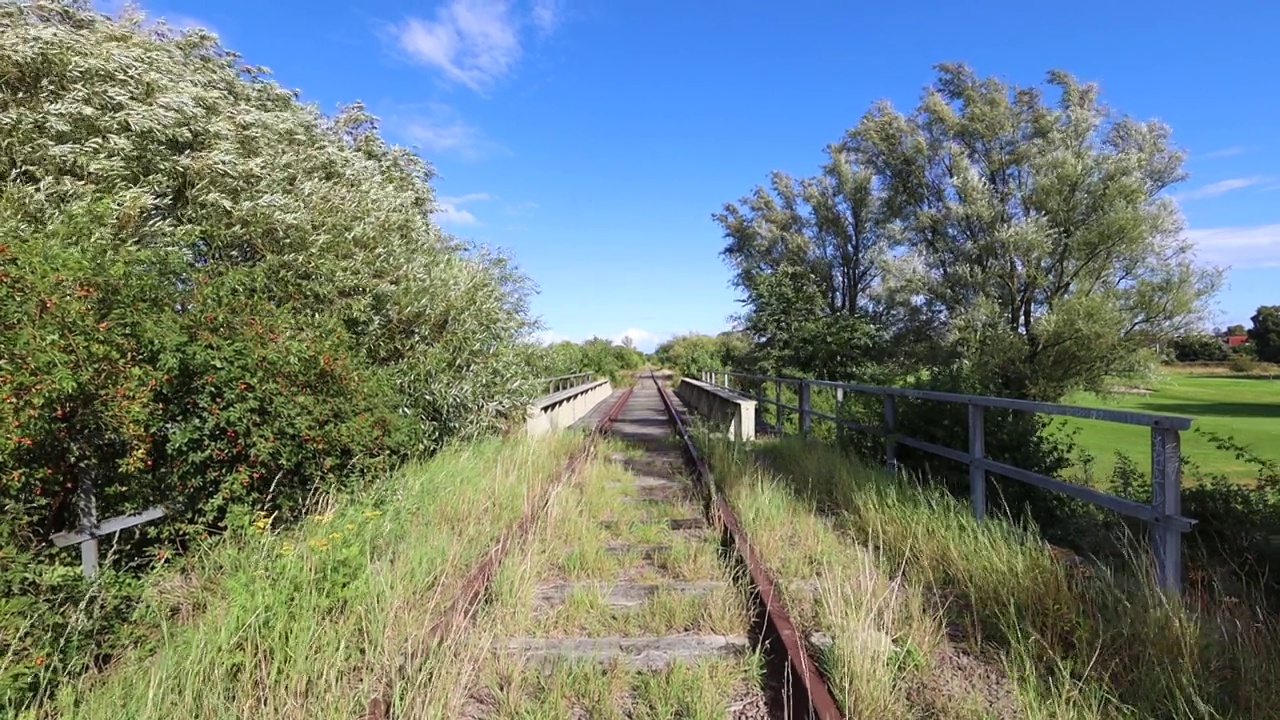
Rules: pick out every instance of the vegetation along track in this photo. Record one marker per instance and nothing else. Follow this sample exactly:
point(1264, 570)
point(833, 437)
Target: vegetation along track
point(615, 594)
point(465, 603)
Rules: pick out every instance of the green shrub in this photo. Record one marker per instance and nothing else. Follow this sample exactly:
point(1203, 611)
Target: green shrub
point(1242, 364)
point(212, 298)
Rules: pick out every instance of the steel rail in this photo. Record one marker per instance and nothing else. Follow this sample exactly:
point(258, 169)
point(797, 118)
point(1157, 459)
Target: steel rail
point(464, 605)
point(818, 701)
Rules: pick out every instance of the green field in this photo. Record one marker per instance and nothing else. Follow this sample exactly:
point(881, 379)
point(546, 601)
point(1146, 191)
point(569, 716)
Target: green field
point(1247, 408)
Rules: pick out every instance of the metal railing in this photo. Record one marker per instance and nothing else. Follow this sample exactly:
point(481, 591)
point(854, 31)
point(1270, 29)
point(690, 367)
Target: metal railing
point(564, 382)
point(1163, 514)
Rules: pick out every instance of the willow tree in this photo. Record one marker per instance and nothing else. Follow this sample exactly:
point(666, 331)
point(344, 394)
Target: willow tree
point(808, 255)
point(1022, 244)
point(212, 297)
point(1035, 235)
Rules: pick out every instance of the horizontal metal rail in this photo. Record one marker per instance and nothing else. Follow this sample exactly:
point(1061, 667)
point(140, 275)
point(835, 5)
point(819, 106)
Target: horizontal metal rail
point(564, 382)
point(1163, 514)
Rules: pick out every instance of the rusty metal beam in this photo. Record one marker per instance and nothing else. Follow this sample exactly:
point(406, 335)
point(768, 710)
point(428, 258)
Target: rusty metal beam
point(467, 601)
point(821, 703)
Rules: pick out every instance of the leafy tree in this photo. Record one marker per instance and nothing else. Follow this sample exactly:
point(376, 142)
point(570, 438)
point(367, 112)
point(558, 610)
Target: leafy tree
point(597, 355)
point(1025, 244)
point(1236, 331)
point(991, 241)
point(1265, 333)
point(691, 354)
point(212, 297)
point(1198, 347)
point(1035, 235)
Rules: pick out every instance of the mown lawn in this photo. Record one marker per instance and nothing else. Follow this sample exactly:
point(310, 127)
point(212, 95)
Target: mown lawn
point(1247, 408)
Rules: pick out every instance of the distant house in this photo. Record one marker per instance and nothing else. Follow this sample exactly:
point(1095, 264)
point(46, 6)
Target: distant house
point(1234, 340)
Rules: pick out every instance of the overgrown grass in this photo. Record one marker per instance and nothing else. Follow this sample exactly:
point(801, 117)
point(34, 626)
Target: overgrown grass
point(573, 545)
point(1067, 641)
point(312, 621)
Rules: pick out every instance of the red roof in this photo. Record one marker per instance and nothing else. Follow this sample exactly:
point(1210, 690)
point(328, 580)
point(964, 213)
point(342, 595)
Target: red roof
point(1235, 340)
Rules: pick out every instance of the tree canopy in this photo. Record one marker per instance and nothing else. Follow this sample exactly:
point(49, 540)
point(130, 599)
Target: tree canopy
point(213, 297)
point(1265, 333)
point(1023, 243)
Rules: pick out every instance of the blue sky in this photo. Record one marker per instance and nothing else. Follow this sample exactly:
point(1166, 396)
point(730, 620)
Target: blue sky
point(594, 139)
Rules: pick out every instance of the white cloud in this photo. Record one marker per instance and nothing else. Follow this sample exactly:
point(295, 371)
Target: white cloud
point(473, 42)
point(438, 128)
point(449, 211)
point(1219, 188)
point(1256, 246)
point(546, 15)
point(1225, 152)
point(187, 22)
point(643, 339)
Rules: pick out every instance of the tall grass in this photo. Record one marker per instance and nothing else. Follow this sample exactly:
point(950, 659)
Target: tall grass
point(571, 545)
point(1074, 641)
point(312, 621)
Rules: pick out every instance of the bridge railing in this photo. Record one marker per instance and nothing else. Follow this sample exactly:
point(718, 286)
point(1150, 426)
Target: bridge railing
point(570, 399)
point(1163, 514)
point(552, 385)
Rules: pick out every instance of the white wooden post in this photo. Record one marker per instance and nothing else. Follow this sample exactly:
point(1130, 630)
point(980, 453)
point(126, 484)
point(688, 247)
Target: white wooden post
point(839, 417)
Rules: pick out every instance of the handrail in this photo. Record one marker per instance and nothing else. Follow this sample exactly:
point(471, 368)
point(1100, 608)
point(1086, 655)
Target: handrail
point(1163, 513)
point(563, 382)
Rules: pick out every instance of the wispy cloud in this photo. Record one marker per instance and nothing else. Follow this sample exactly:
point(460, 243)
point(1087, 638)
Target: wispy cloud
point(473, 42)
point(1221, 187)
point(1250, 246)
point(476, 42)
point(521, 208)
point(438, 128)
point(187, 22)
point(546, 15)
point(1224, 152)
point(449, 210)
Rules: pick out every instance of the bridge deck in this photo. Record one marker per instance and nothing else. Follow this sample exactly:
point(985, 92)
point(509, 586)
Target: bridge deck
point(598, 412)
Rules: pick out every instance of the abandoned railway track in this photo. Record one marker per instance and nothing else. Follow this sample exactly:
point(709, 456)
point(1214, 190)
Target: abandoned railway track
point(636, 569)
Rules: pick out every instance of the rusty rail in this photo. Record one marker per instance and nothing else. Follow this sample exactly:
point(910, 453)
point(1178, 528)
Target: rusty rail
point(467, 601)
point(817, 700)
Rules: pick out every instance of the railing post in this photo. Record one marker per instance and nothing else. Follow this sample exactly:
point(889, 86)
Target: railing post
point(777, 405)
point(1166, 501)
point(839, 417)
point(977, 450)
point(88, 503)
point(890, 421)
point(805, 420)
